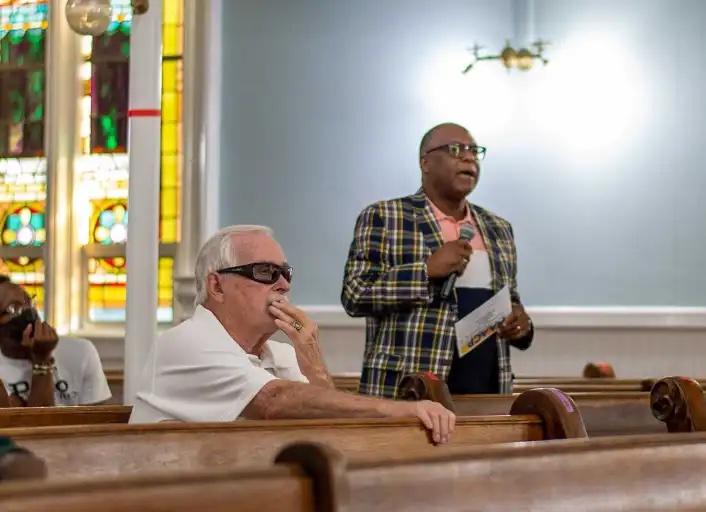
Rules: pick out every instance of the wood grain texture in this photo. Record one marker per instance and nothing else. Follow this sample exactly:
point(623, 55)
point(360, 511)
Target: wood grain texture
point(630, 473)
point(278, 488)
point(603, 413)
point(123, 449)
point(73, 415)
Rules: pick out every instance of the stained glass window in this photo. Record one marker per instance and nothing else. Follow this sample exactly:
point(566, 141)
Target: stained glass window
point(23, 170)
point(27, 272)
point(107, 289)
point(22, 234)
point(171, 121)
point(23, 225)
point(109, 225)
point(102, 171)
point(22, 51)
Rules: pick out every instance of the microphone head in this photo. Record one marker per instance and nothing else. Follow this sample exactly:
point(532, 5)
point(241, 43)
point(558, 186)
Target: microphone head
point(467, 231)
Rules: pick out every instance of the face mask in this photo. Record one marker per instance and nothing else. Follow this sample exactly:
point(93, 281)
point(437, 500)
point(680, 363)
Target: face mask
point(15, 327)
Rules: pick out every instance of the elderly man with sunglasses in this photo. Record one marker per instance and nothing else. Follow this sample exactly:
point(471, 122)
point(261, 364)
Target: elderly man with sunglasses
point(221, 364)
point(36, 366)
point(402, 254)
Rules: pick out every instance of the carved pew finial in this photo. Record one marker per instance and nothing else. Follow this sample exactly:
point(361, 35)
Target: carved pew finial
point(679, 402)
point(598, 370)
point(562, 419)
point(425, 386)
point(327, 469)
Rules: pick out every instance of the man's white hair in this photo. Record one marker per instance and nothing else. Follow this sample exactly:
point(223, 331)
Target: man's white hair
point(219, 252)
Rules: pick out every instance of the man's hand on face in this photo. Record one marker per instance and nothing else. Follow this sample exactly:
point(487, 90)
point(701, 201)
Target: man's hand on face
point(450, 257)
point(40, 340)
point(293, 321)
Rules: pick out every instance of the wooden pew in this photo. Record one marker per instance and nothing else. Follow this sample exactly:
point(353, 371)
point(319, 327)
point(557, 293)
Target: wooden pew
point(629, 474)
point(73, 415)
point(119, 449)
point(580, 385)
point(343, 381)
point(663, 472)
point(603, 413)
point(679, 402)
point(349, 382)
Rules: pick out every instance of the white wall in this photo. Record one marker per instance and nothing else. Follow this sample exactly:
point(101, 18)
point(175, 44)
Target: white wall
point(600, 153)
point(596, 159)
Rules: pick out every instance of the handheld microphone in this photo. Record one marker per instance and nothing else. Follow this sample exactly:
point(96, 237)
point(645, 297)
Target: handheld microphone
point(467, 233)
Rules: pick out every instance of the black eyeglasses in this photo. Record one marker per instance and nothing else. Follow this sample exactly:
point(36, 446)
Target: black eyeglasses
point(15, 309)
point(267, 273)
point(456, 150)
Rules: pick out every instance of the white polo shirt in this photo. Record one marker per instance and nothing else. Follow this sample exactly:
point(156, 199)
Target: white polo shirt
point(197, 372)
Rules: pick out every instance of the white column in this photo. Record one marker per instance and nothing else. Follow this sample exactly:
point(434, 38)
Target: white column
point(200, 175)
point(62, 256)
point(211, 171)
point(143, 198)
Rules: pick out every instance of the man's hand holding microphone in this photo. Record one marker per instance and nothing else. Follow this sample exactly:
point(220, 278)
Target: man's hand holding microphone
point(450, 260)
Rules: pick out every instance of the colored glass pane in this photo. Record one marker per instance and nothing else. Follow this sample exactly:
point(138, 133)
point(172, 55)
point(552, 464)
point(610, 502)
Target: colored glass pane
point(171, 136)
point(109, 222)
point(22, 78)
point(107, 85)
point(23, 225)
point(107, 289)
point(103, 169)
point(28, 273)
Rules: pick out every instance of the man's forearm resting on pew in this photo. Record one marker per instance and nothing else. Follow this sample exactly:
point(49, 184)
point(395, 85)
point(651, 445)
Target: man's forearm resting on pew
point(281, 399)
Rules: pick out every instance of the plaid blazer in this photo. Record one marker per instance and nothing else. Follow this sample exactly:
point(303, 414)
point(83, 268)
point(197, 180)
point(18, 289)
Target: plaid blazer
point(409, 328)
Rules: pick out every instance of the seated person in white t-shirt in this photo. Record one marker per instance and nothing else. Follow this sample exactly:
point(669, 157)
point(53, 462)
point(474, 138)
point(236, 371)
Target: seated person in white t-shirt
point(220, 364)
point(37, 368)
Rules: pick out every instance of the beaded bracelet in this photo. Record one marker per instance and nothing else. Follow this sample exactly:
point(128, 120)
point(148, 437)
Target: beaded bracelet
point(42, 369)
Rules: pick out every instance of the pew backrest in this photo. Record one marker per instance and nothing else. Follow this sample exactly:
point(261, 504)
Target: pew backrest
point(603, 413)
point(630, 473)
point(72, 415)
point(122, 449)
point(662, 472)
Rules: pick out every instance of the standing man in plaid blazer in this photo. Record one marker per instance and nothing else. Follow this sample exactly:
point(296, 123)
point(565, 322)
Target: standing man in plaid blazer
point(403, 251)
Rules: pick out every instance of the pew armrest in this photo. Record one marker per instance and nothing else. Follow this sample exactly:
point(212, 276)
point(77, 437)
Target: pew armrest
point(561, 417)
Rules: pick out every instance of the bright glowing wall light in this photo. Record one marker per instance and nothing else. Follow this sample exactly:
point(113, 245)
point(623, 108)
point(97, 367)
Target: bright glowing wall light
point(590, 98)
point(484, 100)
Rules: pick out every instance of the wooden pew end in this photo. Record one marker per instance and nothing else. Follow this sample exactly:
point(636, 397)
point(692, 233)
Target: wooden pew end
point(425, 386)
point(20, 464)
point(679, 402)
point(599, 370)
point(561, 417)
point(327, 469)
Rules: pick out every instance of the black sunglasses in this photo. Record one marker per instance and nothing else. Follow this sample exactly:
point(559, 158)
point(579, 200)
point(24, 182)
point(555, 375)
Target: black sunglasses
point(262, 272)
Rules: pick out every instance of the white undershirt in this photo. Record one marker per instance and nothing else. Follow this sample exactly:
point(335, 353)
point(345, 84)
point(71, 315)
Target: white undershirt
point(477, 273)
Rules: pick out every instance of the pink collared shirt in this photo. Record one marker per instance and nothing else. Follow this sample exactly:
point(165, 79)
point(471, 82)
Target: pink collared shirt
point(451, 228)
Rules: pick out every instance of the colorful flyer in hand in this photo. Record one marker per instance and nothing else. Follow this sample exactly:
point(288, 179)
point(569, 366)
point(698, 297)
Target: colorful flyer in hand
point(481, 323)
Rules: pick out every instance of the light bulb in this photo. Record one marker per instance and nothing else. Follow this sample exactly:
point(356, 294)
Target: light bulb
point(508, 57)
point(524, 59)
point(88, 17)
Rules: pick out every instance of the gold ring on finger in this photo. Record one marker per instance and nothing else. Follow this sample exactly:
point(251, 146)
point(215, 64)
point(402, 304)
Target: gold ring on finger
point(297, 325)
